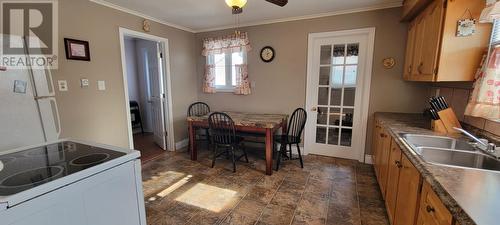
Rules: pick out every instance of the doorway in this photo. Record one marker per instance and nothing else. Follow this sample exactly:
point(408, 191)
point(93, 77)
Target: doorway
point(338, 87)
point(147, 93)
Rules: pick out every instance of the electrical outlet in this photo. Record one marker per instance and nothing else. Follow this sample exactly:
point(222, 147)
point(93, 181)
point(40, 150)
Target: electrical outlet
point(84, 82)
point(101, 85)
point(63, 85)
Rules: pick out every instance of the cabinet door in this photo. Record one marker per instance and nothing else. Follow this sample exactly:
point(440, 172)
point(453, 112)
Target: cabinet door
point(408, 193)
point(385, 146)
point(434, 16)
point(417, 59)
point(410, 51)
point(432, 211)
point(392, 180)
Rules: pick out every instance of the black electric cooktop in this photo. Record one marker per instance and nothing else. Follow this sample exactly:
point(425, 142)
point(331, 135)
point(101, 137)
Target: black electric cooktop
point(26, 169)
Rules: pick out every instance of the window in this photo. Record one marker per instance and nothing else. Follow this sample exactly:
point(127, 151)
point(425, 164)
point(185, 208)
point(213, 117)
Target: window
point(495, 34)
point(225, 71)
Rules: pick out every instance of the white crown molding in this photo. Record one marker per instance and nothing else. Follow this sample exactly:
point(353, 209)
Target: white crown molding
point(312, 16)
point(135, 13)
point(263, 22)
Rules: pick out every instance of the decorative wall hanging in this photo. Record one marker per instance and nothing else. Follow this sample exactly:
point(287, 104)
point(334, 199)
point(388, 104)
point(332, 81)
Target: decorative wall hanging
point(146, 26)
point(77, 49)
point(466, 26)
point(389, 63)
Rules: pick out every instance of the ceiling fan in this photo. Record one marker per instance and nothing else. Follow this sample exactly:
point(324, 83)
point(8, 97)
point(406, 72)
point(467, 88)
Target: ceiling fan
point(237, 5)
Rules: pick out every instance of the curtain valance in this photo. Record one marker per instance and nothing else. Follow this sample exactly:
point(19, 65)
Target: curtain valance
point(237, 42)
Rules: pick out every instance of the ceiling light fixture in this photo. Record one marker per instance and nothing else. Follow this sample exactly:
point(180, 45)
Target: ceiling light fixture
point(236, 5)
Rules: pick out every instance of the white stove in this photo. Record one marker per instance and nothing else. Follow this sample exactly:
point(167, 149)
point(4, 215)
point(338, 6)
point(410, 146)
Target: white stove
point(71, 182)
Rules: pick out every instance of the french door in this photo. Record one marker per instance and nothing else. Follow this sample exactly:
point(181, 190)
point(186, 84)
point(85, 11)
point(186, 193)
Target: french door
point(339, 75)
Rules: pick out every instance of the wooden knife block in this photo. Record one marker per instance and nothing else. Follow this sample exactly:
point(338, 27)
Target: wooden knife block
point(448, 120)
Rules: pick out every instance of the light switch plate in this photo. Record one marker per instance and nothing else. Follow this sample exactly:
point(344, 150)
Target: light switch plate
point(63, 85)
point(84, 82)
point(101, 85)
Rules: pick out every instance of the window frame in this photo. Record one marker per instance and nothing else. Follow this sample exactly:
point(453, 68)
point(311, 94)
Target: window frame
point(228, 71)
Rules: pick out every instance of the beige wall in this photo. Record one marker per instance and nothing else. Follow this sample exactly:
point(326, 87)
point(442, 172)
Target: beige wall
point(281, 85)
point(100, 116)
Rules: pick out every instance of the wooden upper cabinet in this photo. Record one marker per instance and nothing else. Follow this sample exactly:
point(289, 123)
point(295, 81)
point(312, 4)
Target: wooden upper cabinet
point(460, 57)
point(412, 7)
point(418, 50)
point(410, 48)
point(433, 21)
point(408, 197)
point(435, 53)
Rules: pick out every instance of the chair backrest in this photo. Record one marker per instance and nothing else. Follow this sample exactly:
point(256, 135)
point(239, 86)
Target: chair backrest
point(297, 123)
point(222, 129)
point(198, 109)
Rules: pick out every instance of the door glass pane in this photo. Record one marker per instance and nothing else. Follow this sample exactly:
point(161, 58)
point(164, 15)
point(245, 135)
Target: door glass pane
point(336, 84)
point(326, 55)
point(347, 116)
point(323, 96)
point(335, 116)
point(324, 75)
point(333, 136)
point(321, 135)
point(352, 53)
point(338, 54)
point(351, 74)
point(322, 115)
point(349, 96)
point(346, 137)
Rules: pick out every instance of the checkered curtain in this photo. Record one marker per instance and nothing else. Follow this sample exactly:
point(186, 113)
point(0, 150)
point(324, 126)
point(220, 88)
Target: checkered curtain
point(242, 83)
point(485, 99)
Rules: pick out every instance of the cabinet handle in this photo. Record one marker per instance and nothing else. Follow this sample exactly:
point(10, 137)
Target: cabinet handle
point(419, 69)
point(430, 209)
point(410, 68)
point(398, 164)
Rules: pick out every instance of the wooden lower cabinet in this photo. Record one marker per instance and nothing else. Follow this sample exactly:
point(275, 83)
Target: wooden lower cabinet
point(384, 149)
point(409, 200)
point(432, 211)
point(408, 196)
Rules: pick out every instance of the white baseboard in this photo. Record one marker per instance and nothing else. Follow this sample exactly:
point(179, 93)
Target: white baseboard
point(368, 159)
point(182, 144)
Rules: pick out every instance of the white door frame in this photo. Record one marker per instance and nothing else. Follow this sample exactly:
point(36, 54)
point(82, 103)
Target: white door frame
point(365, 99)
point(166, 80)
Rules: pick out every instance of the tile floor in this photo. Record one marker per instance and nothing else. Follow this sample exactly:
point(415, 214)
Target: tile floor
point(149, 150)
point(327, 191)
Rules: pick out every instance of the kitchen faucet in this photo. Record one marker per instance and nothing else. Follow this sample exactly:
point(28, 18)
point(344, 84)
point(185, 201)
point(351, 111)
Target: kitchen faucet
point(482, 144)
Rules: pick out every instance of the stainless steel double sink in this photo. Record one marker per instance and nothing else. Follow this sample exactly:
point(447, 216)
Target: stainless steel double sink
point(450, 152)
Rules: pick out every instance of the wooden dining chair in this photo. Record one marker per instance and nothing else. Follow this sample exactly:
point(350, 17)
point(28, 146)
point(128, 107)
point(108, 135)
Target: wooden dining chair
point(293, 136)
point(200, 109)
point(223, 136)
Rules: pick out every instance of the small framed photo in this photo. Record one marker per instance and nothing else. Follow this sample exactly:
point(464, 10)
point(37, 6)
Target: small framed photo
point(77, 49)
point(466, 27)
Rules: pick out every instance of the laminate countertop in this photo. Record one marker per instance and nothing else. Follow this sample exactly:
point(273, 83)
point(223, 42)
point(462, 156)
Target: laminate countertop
point(472, 196)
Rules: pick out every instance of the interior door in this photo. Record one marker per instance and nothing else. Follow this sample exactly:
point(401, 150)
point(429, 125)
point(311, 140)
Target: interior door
point(157, 99)
point(335, 95)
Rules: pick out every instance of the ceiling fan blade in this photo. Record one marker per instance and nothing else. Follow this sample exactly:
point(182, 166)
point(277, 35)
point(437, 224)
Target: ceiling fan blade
point(278, 2)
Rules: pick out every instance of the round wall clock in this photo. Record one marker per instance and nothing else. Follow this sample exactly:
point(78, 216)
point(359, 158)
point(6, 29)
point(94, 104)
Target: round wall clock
point(267, 54)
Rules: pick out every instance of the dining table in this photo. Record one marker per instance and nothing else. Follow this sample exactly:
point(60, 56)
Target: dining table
point(256, 123)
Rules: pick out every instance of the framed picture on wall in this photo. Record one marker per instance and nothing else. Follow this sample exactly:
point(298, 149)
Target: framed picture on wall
point(77, 49)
